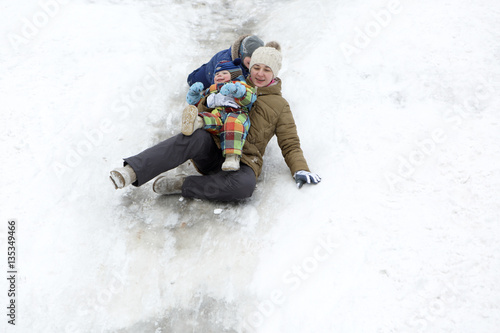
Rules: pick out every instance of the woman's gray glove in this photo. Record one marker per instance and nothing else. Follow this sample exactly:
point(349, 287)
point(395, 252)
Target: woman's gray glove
point(302, 177)
point(215, 100)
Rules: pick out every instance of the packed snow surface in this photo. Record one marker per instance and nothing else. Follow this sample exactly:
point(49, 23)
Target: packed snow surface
point(397, 105)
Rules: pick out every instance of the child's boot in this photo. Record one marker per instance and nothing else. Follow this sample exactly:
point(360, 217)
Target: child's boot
point(123, 176)
point(232, 163)
point(190, 120)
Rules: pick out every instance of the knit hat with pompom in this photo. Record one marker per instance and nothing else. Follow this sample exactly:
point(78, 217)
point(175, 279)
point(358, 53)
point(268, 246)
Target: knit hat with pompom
point(268, 56)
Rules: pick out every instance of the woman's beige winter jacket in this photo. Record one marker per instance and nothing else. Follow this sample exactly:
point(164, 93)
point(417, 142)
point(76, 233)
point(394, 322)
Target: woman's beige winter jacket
point(270, 115)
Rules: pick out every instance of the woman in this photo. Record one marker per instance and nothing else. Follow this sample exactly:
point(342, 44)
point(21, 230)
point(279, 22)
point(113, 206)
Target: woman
point(270, 115)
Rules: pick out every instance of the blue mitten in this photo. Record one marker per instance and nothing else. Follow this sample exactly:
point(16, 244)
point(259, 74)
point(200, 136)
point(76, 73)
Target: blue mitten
point(236, 90)
point(194, 94)
point(302, 177)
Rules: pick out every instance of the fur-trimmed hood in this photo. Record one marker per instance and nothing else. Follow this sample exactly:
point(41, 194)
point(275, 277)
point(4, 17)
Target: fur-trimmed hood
point(235, 48)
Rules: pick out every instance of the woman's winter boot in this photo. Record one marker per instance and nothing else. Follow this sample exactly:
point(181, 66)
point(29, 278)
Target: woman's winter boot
point(122, 177)
point(169, 185)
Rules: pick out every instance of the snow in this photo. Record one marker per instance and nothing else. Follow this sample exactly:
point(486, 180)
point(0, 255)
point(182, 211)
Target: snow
point(396, 104)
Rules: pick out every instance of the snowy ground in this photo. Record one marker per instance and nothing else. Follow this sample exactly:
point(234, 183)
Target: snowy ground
point(397, 105)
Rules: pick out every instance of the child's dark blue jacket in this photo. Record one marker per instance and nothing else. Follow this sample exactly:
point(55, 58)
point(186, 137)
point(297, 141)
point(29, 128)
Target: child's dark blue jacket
point(205, 73)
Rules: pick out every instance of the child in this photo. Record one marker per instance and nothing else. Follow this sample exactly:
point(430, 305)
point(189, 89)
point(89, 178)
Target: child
point(231, 99)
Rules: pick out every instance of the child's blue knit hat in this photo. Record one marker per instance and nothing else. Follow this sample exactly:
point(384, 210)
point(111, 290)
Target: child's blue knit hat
point(232, 67)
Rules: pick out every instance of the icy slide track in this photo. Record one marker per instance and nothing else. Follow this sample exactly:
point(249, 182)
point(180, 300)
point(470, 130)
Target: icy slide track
point(397, 109)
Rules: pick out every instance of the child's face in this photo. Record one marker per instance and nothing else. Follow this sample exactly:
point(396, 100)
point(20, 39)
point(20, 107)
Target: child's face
point(261, 75)
point(222, 76)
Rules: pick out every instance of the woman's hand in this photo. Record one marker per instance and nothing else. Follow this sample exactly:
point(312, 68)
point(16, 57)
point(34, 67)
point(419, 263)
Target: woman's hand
point(215, 100)
point(302, 177)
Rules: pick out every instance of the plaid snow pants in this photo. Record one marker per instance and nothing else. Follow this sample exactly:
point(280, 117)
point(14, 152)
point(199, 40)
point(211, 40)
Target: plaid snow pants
point(232, 128)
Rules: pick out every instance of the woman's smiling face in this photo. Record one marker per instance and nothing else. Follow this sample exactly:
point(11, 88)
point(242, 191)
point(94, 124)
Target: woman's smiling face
point(261, 75)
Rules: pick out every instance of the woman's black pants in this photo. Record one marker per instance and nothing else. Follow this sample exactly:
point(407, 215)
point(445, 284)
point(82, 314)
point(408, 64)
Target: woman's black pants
point(213, 184)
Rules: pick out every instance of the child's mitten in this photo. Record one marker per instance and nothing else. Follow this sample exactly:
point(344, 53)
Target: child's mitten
point(236, 90)
point(194, 94)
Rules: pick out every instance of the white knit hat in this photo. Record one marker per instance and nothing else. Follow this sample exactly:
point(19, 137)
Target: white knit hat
point(268, 56)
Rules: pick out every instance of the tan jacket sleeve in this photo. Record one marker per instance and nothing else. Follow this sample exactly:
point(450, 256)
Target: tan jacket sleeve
point(289, 142)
